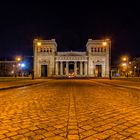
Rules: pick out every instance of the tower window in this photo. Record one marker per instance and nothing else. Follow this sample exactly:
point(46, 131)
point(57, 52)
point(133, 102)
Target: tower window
point(92, 50)
point(44, 49)
point(41, 49)
point(101, 49)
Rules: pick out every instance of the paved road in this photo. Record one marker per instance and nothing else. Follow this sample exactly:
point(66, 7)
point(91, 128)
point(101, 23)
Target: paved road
point(71, 110)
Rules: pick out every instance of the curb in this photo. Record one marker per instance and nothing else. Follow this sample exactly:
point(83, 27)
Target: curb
point(18, 86)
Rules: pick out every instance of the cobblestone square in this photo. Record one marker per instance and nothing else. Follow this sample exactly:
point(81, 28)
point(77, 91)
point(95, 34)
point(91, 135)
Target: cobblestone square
point(71, 109)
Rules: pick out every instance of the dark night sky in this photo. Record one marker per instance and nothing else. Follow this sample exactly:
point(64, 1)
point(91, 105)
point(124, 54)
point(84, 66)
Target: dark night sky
point(71, 24)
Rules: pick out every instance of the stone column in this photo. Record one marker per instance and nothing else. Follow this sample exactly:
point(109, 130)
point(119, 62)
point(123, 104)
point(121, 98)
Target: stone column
point(81, 68)
point(56, 68)
point(61, 68)
point(67, 68)
point(75, 68)
point(85, 68)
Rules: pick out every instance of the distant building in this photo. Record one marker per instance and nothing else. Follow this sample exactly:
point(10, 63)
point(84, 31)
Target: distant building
point(94, 62)
point(7, 68)
point(134, 67)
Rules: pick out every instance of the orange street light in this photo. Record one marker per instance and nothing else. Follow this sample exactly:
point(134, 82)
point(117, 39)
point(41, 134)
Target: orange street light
point(18, 59)
point(125, 58)
point(124, 64)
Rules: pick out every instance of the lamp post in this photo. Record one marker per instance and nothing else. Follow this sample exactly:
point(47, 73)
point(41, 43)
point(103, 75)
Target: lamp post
point(125, 64)
point(135, 67)
point(18, 60)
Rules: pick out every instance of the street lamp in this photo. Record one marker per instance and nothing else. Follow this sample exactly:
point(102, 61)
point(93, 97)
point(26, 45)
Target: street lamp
point(18, 60)
point(125, 64)
point(124, 58)
point(135, 67)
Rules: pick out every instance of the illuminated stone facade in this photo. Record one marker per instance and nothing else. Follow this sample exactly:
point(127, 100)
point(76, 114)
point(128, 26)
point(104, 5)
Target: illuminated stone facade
point(94, 62)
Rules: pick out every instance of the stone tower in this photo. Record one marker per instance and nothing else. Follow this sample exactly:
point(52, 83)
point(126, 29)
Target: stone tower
point(44, 57)
point(98, 52)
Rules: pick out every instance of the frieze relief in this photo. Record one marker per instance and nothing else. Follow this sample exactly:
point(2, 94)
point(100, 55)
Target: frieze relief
point(43, 61)
point(71, 58)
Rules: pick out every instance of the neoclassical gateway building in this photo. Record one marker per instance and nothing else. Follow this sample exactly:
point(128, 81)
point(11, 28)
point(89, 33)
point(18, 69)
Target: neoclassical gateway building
point(94, 62)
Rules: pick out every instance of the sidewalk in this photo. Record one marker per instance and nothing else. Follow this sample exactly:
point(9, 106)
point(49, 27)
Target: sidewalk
point(8, 83)
point(127, 83)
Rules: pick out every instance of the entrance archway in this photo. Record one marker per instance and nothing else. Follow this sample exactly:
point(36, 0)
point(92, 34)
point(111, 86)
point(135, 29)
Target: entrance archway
point(44, 71)
point(71, 67)
point(98, 70)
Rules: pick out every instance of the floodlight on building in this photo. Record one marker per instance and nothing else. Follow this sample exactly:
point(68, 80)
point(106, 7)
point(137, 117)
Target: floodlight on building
point(38, 43)
point(104, 43)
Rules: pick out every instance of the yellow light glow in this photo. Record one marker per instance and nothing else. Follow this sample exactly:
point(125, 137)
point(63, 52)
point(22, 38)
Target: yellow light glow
point(18, 58)
point(124, 58)
point(39, 43)
point(124, 64)
point(104, 43)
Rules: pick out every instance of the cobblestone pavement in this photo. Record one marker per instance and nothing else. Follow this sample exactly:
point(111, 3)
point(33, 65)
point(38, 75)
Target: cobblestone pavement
point(70, 110)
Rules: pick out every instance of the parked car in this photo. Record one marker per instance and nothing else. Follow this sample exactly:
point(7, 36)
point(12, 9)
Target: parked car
point(71, 75)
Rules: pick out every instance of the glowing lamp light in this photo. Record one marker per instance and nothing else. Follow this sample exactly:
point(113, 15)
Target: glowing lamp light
point(22, 65)
point(124, 64)
point(38, 43)
point(124, 59)
point(18, 58)
point(104, 43)
point(12, 72)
